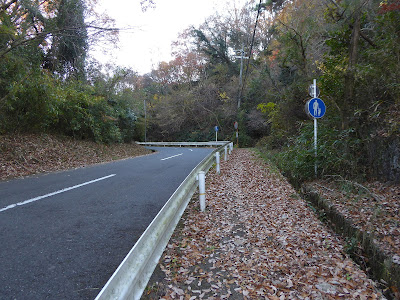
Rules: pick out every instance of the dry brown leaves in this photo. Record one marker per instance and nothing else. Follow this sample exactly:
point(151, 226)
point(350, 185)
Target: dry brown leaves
point(372, 207)
point(22, 155)
point(257, 239)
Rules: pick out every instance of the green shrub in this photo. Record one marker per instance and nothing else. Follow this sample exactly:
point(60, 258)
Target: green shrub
point(127, 124)
point(40, 103)
point(339, 153)
point(30, 104)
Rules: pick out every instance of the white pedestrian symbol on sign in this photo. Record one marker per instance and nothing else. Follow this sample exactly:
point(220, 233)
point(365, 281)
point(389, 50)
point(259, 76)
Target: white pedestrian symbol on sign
point(317, 109)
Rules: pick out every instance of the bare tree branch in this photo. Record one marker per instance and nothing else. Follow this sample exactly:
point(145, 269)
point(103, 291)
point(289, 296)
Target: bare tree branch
point(43, 35)
point(5, 6)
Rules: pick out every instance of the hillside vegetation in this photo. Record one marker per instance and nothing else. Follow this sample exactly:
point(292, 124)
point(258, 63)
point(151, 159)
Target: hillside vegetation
point(48, 84)
point(28, 154)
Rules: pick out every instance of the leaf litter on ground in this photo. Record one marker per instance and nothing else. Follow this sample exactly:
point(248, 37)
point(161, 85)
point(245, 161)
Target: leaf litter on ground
point(372, 207)
point(27, 154)
point(256, 239)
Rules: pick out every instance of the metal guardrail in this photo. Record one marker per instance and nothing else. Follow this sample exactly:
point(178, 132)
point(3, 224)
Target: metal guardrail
point(131, 277)
point(184, 144)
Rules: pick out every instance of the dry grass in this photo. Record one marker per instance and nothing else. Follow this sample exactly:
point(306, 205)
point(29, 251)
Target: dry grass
point(27, 154)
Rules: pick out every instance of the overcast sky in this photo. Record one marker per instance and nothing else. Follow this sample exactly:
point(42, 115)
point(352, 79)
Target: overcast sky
point(150, 43)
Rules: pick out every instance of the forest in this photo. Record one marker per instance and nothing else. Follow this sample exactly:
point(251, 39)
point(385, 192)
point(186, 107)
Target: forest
point(252, 65)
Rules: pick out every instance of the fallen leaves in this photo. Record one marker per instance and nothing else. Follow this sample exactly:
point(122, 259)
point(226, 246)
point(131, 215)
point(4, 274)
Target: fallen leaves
point(374, 208)
point(27, 154)
point(257, 238)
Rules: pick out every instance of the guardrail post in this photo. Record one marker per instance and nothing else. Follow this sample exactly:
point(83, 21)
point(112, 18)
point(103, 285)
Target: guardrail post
point(202, 190)
point(217, 162)
point(230, 148)
point(226, 153)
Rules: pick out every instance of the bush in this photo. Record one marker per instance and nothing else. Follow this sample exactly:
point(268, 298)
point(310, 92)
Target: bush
point(40, 103)
point(339, 153)
point(30, 105)
point(127, 124)
point(74, 118)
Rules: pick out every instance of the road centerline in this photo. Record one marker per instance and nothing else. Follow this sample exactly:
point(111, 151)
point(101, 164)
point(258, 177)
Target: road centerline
point(54, 193)
point(171, 156)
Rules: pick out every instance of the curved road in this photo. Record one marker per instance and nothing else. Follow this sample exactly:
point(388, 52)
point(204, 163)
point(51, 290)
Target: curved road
point(62, 235)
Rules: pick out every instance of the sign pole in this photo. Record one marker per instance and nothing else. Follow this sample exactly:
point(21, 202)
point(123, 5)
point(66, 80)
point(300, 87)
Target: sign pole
point(236, 126)
point(216, 128)
point(145, 121)
point(315, 132)
point(316, 109)
point(315, 147)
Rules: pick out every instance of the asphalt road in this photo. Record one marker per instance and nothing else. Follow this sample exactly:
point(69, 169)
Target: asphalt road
point(62, 235)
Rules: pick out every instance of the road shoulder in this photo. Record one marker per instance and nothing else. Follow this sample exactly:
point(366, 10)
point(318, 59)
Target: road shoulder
point(257, 238)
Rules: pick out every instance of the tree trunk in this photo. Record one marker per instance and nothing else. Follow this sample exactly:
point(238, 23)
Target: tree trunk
point(349, 80)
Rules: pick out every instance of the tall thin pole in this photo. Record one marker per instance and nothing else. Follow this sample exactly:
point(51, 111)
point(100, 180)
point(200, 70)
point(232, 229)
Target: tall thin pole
point(315, 147)
point(145, 121)
point(241, 75)
point(315, 132)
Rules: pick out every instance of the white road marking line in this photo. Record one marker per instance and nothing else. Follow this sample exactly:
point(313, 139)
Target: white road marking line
point(54, 193)
point(191, 150)
point(172, 156)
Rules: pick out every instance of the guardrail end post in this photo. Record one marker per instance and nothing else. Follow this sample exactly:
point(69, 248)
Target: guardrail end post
point(202, 190)
point(217, 160)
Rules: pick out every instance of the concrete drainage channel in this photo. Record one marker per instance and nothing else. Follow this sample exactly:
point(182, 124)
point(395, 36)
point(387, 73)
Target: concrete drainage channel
point(380, 266)
point(131, 277)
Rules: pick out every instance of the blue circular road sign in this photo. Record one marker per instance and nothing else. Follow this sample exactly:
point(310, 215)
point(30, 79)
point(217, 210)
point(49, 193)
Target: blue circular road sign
point(316, 108)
